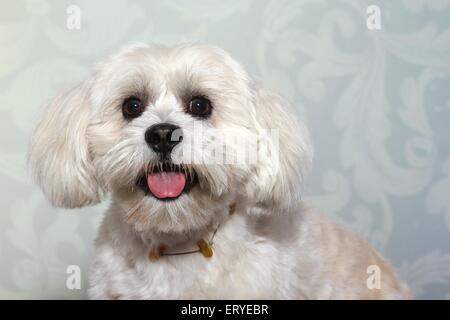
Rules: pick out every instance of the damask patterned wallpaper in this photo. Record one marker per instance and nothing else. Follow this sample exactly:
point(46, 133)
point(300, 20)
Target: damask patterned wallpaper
point(377, 102)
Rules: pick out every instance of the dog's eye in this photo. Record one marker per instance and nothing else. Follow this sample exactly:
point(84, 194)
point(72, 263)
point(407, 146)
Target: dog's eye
point(132, 107)
point(199, 107)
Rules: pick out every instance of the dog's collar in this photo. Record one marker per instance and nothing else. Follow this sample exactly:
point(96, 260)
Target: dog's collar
point(205, 247)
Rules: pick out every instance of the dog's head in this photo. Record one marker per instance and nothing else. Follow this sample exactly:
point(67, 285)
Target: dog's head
point(174, 134)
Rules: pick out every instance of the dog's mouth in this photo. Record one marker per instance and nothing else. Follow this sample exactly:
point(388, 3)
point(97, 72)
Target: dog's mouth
point(167, 181)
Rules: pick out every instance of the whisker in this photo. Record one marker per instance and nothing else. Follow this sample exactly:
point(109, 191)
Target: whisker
point(134, 210)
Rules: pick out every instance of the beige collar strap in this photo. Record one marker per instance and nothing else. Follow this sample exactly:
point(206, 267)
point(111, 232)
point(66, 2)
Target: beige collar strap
point(203, 246)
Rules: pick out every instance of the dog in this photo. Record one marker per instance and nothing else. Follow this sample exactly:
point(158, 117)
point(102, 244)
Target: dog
point(185, 228)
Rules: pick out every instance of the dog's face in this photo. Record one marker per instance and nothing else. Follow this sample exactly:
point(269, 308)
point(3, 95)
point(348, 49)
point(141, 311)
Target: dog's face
point(157, 127)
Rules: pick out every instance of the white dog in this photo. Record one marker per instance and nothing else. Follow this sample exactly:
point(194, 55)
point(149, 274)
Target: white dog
point(182, 228)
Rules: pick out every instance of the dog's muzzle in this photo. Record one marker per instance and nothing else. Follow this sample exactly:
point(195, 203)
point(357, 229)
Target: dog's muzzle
point(165, 180)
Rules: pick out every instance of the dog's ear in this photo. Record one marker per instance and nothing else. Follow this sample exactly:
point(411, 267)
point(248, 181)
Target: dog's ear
point(59, 158)
point(276, 181)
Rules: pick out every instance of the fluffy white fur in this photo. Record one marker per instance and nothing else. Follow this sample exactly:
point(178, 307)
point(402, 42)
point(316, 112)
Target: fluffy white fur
point(272, 247)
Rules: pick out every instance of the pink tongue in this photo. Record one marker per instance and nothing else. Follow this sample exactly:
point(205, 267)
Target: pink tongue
point(166, 184)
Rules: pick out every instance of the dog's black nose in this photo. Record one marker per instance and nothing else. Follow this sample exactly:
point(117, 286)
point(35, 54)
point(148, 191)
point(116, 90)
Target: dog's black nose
point(163, 137)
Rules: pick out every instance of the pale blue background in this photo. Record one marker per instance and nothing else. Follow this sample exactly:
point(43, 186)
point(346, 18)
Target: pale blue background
point(377, 104)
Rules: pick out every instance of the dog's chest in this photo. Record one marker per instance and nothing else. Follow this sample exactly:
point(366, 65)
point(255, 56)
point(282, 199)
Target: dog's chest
point(240, 267)
point(198, 277)
point(244, 265)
